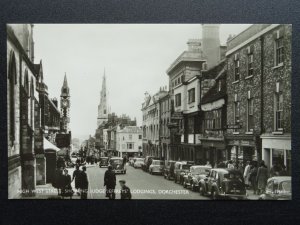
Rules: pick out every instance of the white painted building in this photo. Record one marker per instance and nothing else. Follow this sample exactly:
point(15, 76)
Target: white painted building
point(129, 141)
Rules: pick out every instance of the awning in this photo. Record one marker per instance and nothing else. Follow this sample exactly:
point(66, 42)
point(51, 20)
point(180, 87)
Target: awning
point(49, 146)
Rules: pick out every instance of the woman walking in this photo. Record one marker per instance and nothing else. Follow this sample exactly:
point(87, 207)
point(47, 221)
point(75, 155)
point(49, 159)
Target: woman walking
point(262, 177)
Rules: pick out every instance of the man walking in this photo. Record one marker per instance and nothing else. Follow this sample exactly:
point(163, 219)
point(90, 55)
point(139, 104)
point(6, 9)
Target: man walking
point(76, 177)
point(110, 182)
point(84, 183)
point(125, 191)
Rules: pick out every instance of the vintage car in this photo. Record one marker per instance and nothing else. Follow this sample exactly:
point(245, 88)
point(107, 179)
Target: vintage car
point(278, 188)
point(224, 183)
point(138, 163)
point(193, 178)
point(147, 163)
point(169, 170)
point(103, 161)
point(117, 165)
point(156, 167)
point(180, 169)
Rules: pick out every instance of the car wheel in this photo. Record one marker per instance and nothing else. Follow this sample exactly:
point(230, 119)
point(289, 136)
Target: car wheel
point(124, 171)
point(193, 187)
point(175, 180)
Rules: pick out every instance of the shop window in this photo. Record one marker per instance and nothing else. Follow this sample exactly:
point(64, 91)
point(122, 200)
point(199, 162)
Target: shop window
point(250, 115)
point(279, 111)
point(278, 156)
point(191, 125)
point(279, 51)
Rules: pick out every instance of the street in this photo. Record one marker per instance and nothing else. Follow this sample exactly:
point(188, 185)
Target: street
point(142, 185)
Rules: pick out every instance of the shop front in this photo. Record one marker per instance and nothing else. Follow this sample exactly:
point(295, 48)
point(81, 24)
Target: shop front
point(243, 148)
point(277, 148)
point(214, 151)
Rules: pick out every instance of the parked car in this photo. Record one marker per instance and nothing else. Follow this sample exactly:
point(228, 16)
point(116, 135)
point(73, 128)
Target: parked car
point(192, 179)
point(138, 163)
point(180, 169)
point(169, 170)
point(117, 164)
point(147, 163)
point(103, 161)
point(278, 188)
point(224, 183)
point(157, 167)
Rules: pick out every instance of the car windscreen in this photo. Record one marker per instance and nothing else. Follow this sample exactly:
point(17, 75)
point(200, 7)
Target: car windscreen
point(103, 159)
point(186, 167)
point(116, 161)
point(139, 160)
point(156, 162)
point(231, 176)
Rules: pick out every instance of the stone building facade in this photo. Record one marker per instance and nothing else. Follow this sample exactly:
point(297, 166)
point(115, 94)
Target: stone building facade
point(22, 103)
point(129, 141)
point(151, 124)
point(164, 132)
point(258, 83)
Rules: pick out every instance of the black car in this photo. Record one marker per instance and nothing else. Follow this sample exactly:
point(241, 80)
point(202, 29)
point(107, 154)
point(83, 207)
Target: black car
point(103, 161)
point(169, 170)
point(224, 183)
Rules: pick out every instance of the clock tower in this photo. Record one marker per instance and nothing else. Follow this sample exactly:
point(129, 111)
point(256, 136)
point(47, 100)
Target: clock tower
point(102, 107)
point(65, 107)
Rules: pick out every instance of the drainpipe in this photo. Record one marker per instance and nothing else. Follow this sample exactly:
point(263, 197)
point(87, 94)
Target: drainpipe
point(262, 94)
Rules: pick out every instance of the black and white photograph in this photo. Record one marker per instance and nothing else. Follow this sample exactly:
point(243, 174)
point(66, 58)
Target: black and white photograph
point(161, 111)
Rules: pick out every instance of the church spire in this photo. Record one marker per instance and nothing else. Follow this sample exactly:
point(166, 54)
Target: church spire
point(102, 108)
point(65, 91)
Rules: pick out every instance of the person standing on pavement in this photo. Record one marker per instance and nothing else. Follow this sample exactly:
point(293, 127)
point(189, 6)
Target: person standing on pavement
point(110, 182)
point(125, 191)
point(84, 183)
point(76, 177)
point(230, 165)
point(276, 169)
point(252, 177)
point(262, 177)
point(247, 174)
point(66, 190)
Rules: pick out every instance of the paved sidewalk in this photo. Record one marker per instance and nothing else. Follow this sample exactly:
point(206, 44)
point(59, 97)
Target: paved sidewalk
point(252, 196)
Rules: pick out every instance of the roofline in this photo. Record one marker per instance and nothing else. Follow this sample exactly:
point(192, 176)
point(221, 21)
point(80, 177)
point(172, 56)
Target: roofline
point(252, 38)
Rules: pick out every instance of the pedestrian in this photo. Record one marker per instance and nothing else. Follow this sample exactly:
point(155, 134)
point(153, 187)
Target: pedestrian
point(208, 164)
point(125, 191)
point(57, 181)
point(247, 174)
point(124, 160)
point(84, 183)
point(252, 177)
point(110, 182)
point(262, 177)
point(230, 165)
point(66, 190)
point(76, 177)
point(283, 172)
point(276, 169)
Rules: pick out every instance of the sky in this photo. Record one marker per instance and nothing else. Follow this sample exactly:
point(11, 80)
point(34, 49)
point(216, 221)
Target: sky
point(135, 58)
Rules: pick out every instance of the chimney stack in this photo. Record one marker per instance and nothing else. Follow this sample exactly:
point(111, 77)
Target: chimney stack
point(211, 43)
